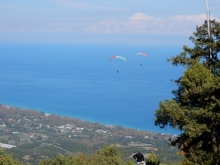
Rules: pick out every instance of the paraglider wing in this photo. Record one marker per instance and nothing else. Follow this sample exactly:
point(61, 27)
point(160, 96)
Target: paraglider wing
point(117, 57)
point(112, 58)
point(141, 53)
point(121, 58)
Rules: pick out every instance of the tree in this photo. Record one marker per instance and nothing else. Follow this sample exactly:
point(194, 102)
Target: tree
point(108, 155)
point(7, 159)
point(152, 159)
point(39, 138)
point(195, 108)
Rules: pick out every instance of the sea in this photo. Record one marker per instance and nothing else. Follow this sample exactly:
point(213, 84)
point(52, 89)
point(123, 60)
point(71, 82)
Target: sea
point(78, 80)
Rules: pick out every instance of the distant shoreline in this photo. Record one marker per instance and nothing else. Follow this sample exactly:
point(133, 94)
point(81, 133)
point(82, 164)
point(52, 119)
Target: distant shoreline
point(47, 114)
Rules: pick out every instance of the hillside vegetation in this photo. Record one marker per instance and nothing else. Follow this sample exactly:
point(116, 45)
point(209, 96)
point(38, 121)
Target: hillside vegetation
point(39, 136)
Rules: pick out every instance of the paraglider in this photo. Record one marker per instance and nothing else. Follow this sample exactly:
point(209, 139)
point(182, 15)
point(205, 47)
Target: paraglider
point(142, 54)
point(119, 57)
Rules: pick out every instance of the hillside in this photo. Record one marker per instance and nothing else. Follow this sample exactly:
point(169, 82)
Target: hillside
point(32, 136)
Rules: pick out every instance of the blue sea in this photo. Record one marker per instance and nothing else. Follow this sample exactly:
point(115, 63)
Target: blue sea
point(78, 80)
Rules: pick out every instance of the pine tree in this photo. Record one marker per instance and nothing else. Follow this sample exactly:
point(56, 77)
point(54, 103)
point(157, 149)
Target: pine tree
point(195, 108)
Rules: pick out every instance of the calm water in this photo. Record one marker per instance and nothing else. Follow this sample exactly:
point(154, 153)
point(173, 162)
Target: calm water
point(79, 81)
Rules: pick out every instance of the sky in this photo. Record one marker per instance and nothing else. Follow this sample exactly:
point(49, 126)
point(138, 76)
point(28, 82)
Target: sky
point(152, 22)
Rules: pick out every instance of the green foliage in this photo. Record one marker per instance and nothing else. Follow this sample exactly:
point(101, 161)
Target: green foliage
point(195, 109)
point(29, 125)
point(7, 159)
point(152, 159)
point(49, 151)
point(106, 156)
point(72, 146)
point(29, 146)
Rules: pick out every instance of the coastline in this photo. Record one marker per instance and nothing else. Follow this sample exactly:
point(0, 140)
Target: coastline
point(89, 121)
point(27, 130)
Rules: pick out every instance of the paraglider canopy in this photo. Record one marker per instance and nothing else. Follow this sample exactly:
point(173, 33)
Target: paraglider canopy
point(141, 53)
point(120, 57)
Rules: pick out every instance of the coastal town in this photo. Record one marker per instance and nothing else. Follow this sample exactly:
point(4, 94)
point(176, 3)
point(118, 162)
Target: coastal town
point(29, 133)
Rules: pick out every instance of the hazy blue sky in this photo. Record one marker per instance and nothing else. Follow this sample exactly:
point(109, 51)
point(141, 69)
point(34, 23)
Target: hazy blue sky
point(103, 21)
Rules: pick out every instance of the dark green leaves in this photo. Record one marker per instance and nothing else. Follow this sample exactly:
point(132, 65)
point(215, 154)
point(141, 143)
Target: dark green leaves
point(195, 108)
